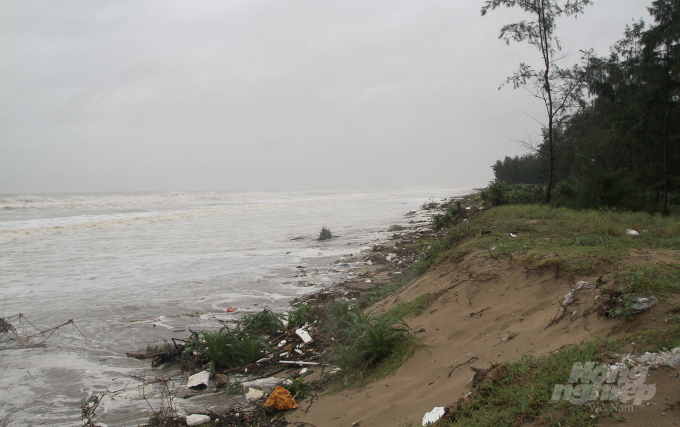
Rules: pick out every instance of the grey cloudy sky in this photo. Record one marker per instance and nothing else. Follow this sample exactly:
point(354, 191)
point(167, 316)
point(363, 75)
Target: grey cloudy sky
point(251, 94)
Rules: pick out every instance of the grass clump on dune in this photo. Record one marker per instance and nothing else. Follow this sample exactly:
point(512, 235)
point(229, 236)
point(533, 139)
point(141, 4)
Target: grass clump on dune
point(368, 344)
point(523, 393)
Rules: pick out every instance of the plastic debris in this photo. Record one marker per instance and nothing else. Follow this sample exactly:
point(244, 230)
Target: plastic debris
point(632, 233)
point(509, 336)
point(570, 296)
point(304, 335)
point(282, 343)
point(280, 399)
point(303, 371)
point(232, 309)
point(512, 235)
point(263, 383)
point(664, 358)
point(642, 304)
point(580, 285)
point(434, 415)
point(199, 380)
point(674, 361)
point(197, 419)
point(253, 394)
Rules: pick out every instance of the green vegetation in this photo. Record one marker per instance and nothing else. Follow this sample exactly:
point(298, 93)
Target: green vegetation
point(558, 88)
point(614, 144)
point(369, 345)
point(299, 315)
point(525, 389)
point(415, 307)
point(654, 340)
point(576, 241)
point(660, 279)
point(228, 347)
point(158, 347)
point(298, 388)
point(264, 322)
point(524, 169)
point(499, 193)
point(367, 342)
point(452, 216)
point(234, 389)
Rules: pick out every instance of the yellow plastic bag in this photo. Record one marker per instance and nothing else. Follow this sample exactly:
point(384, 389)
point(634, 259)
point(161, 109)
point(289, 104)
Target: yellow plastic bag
point(280, 399)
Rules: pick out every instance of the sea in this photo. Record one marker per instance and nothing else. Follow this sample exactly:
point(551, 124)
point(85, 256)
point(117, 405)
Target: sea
point(131, 269)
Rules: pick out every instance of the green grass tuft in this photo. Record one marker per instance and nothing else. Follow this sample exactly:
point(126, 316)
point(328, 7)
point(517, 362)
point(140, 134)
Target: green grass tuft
point(408, 308)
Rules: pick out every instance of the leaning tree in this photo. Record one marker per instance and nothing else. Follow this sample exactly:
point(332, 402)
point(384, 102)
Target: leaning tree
point(558, 88)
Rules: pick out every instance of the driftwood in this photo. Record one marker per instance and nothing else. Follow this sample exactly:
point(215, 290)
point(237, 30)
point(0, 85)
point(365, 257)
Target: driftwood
point(160, 357)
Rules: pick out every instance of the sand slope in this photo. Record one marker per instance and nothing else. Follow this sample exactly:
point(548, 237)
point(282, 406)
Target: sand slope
point(515, 299)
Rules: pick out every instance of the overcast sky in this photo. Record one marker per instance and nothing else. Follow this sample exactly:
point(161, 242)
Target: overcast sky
point(263, 95)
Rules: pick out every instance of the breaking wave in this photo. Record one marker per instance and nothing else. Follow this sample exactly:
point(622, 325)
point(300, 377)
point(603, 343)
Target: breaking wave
point(12, 230)
point(134, 199)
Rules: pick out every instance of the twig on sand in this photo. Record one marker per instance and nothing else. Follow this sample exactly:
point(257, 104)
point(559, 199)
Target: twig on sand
point(558, 316)
point(316, 395)
point(479, 312)
point(461, 364)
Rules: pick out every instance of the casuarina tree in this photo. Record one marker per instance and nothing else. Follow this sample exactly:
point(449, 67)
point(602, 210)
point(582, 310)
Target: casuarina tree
point(556, 87)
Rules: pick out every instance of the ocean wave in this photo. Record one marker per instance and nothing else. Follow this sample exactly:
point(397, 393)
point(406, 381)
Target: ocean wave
point(89, 201)
point(13, 230)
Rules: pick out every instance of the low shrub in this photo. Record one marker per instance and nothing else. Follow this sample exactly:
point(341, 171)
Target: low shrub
point(264, 322)
point(325, 234)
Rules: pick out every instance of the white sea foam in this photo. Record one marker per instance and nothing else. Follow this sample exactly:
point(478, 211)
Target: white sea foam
point(15, 229)
point(136, 199)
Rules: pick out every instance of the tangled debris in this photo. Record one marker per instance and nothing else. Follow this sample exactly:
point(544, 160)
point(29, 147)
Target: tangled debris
point(10, 337)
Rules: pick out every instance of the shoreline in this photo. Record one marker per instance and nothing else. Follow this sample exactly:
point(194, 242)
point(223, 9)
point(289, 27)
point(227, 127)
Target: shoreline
point(383, 261)
point(483, 306)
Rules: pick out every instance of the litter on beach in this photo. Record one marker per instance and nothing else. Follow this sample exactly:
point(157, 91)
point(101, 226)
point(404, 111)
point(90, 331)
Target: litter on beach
point(509, 336)
point(199, 380)
point(253, 394)
point(280, 399)
point(434, 415)
point(304, 335)
point(267, 383)
point(641, 304)
point(197, 419)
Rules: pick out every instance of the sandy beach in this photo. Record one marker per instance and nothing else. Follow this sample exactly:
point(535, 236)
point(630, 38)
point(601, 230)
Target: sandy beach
point(485, 310)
